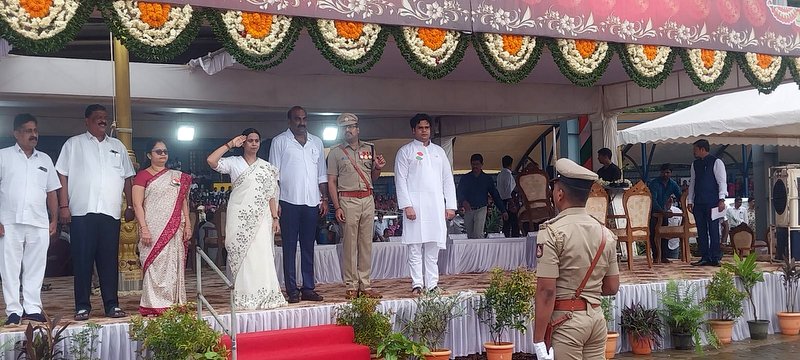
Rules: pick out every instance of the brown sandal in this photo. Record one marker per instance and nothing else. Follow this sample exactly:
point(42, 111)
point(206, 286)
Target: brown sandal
point(82, 315)
point(117, 313)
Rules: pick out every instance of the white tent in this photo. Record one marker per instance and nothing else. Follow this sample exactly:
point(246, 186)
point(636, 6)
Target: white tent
point(745, 117)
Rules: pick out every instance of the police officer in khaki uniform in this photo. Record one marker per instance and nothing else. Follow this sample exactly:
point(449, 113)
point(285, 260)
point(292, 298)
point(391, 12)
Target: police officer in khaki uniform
point(577, 264)
point(352, 167)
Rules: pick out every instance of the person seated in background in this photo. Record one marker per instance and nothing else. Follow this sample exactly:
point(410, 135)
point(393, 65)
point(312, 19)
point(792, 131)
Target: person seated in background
point(734, 216)
point(751, 212)
point(609, 172)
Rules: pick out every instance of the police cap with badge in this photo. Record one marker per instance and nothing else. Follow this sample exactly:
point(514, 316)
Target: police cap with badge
point(573, 175)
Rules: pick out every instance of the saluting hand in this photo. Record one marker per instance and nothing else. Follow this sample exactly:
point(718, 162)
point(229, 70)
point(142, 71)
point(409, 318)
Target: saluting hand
point(237, 141)
point(380, 162)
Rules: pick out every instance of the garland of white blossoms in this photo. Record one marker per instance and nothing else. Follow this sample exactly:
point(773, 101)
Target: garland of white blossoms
point(507, 61)
point(252, 45)
point(708, 78)
point(582, 71)
point(131, 18)
point(349, 49)
point(352, 47)
point(50, 31)
point(493, 51)
point(426, 61)
point(37, 28)
point(766, 79)
point(646, 72)
point(794, 67)
point(426, 55)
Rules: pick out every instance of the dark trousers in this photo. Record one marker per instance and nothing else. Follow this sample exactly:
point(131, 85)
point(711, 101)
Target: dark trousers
point(298, 222)
point(664, 242)
point(94, 240)
point(511, 226)
point(707, 233)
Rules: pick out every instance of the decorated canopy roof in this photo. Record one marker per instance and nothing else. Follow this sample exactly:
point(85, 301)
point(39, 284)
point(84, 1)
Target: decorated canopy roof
point(709, 36)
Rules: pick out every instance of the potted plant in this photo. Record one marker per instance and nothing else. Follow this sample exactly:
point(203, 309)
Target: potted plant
point(789, 320)
point(724, 303)
point(42, 341)
point(398, 347)
point(430, 321)
point(684, 316)
point(746, 270)
point(607, 304)
point(506, 304)
point(643, 327)
point(369, 325)
point(178, 334)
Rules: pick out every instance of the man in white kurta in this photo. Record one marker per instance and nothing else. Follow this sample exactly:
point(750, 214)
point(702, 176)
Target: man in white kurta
point(426, 193)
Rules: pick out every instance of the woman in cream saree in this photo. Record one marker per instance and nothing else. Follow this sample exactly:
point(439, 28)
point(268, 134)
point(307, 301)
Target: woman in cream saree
point(160, 203)
point(251, 223)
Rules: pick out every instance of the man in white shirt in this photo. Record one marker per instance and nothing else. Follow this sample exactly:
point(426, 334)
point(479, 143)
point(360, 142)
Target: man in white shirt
point(300, 159)
point(734, 216)
point(505, 186)
point(28, 184)
point(94, 170)
point(673, 245)
point(426, 193)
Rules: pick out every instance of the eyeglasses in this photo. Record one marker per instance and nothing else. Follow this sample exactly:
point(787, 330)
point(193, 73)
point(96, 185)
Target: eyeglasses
point(160, 151)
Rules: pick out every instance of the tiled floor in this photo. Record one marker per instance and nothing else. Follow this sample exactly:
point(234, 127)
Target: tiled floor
point(59, 300)
point(775, 347)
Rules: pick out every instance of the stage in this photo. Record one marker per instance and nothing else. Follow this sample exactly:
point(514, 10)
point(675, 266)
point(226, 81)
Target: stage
point(467, 333)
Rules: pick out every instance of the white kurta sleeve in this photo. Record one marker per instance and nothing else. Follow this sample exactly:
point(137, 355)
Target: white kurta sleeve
point(722, 178)
point(690, 196)
point(401, 179)
point(448, 185)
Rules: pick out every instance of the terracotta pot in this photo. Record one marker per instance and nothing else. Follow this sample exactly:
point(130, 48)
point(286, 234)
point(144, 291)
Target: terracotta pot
point(611, 344)
point(789, 322)
point(723, 329)
point(438, 354)
point(501, 351)
point(641, 346)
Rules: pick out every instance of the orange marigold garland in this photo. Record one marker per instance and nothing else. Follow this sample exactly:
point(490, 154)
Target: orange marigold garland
point(36, 8)
point(257, 25)
point(508, 58)
point(765, 72)
point(42, 26)
point(431, 52)
point(350, 46)
point(583, 62)
point(647, 65)
point(708, 69)
point(154, 14)
point(256, 40)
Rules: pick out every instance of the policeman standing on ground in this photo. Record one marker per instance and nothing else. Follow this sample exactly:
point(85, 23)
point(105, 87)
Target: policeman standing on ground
point(577, 264)
point(352, 167)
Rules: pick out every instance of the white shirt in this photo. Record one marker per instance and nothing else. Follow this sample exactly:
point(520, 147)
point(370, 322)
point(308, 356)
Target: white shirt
point(424, 181)
point(735, 216)
point(233, 166)
point(719, 174)
point(505, 183)
point(674, 221)
point(96, 172)
point(301, 168)
point(24, 184)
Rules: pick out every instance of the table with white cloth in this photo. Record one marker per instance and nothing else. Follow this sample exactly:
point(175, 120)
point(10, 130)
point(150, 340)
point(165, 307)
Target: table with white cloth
point(327, 268)
point(482, 255)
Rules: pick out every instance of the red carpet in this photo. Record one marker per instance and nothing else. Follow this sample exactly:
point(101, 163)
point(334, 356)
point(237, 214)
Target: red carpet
point(327, 342)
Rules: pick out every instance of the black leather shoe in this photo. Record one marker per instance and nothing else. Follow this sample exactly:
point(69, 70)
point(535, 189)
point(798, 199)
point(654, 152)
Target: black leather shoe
point(293, 298)
point(700, 263)
point(13, 320)
point(311, 295)
point(713, 263)
point(34, 317)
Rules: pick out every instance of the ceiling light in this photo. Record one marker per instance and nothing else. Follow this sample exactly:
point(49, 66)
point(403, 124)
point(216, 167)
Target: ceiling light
point(330, 133)
point(186, 133)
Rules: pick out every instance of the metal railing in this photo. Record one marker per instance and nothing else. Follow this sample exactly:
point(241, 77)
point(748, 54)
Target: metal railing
point(202, 301)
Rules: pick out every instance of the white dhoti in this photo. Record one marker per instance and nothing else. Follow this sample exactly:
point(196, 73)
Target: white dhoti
point(23, 247)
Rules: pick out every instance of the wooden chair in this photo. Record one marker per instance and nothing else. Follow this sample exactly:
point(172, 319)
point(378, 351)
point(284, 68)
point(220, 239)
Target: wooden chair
point(768, 242)
point(535, 190)
point(684, 231)
point(637, 201)
point(597, 204)
point(217, 240)
point(742, 239)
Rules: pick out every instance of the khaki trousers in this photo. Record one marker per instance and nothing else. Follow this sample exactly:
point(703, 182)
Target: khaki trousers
point(582, 337)
point(359, 217)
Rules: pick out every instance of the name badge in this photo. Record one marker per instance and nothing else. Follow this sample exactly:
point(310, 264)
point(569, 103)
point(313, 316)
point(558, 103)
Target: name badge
point(43, 168)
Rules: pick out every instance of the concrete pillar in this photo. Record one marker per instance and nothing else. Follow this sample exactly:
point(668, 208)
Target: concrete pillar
point(570, 142)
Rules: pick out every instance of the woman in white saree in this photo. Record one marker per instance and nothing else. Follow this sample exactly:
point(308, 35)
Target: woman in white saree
point(252, 221)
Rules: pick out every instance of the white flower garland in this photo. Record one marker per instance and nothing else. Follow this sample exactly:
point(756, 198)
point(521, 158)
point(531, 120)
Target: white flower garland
point(763, 75)
point(507, 61)
point(251, 45)
point(574, 59)
point(130, 17)
point(707, 75)
point(349, 49)
point(427, 55)
point(645, 66)
point(18, 19)
point(797, 63)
